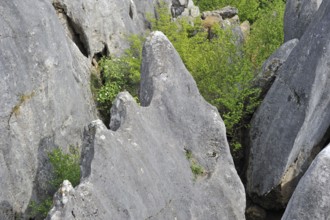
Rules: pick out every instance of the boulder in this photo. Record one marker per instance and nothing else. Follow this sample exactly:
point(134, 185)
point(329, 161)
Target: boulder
point(45, 99)
point(270, 68)
point(226, 12)
point(166, 159)
point(297, 17)
point(184, 8)
point(292, 123)
point(311, 199)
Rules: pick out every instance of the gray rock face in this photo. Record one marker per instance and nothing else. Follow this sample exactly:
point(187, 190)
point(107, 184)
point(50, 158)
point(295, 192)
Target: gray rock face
point(297, 17)
point(269, 69)
point(311, 199)
point(226, 12)
point(102, 27)
point(184, 8)
point(291, 124)
point(141, 169)
point(45, 99)
point(61, 198)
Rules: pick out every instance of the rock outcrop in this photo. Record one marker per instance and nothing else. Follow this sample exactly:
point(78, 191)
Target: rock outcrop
point(143, 167)
point(311, 199)
point(270, 68)
point(102, 27)
point(45, 99)
point(292, 123)
point(298, 15)
point(184, 8)
point(227, 18)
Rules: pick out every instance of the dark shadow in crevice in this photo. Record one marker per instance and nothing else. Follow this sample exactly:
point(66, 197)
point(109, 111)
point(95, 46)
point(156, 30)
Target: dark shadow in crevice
point(130, 12)
point(79, 37)
point(97, 56)
point(75, 31)
point(87, 151)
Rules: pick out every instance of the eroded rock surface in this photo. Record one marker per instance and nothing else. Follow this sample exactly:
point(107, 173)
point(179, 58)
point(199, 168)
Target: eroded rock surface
point(102, 27)
point(44, 97)
point(141, 169)
point(311, 199)
point(292, 123)
point(298, 15)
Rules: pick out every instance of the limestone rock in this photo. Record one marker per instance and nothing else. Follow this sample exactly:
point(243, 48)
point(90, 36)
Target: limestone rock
point(293, 121)
point(61, 198)
point(227, 18)
point(184, 8)
point(226, 12)
point(270, 68)
point(45, 99)
point(311, 199)
point(102, 27)
point(141, 169)
point(297, 17)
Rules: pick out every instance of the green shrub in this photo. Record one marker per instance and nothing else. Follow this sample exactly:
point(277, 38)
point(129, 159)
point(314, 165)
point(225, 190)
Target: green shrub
point(222, 71)
point(266, 34)
point(249, 10)
point(40, 210)
point(65, 167)
point(119, 74)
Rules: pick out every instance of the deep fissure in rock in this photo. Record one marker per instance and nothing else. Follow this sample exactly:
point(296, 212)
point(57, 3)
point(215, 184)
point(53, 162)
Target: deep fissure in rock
point(74, 30)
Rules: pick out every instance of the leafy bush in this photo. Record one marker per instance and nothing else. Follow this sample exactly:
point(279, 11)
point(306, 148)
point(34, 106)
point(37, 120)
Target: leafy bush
point(119, 74)
point(222, 71)
point(247, 9)
point(40, 210)
point(266, 33)
point(65, 167)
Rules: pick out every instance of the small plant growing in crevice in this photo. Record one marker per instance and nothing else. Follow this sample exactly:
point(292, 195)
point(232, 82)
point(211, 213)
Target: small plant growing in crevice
point(195, 167)
point(40, 210)
point(65, 167)
point(117, 74)
point(22, 99)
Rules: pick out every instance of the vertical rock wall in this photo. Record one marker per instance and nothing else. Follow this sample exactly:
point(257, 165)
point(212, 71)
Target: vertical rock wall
point(44, 97)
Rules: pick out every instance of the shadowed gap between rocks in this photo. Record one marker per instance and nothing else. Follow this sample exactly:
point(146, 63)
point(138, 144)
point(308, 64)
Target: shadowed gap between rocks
point(75, 31)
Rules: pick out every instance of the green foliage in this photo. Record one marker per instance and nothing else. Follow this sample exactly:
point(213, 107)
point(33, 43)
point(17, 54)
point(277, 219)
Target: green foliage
point(247, 9)
point(196, 168)
point(40, 210)
point(222, 71)
point(222, 68)
point(119, 74)
point(65, 166)
point(266, 33)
